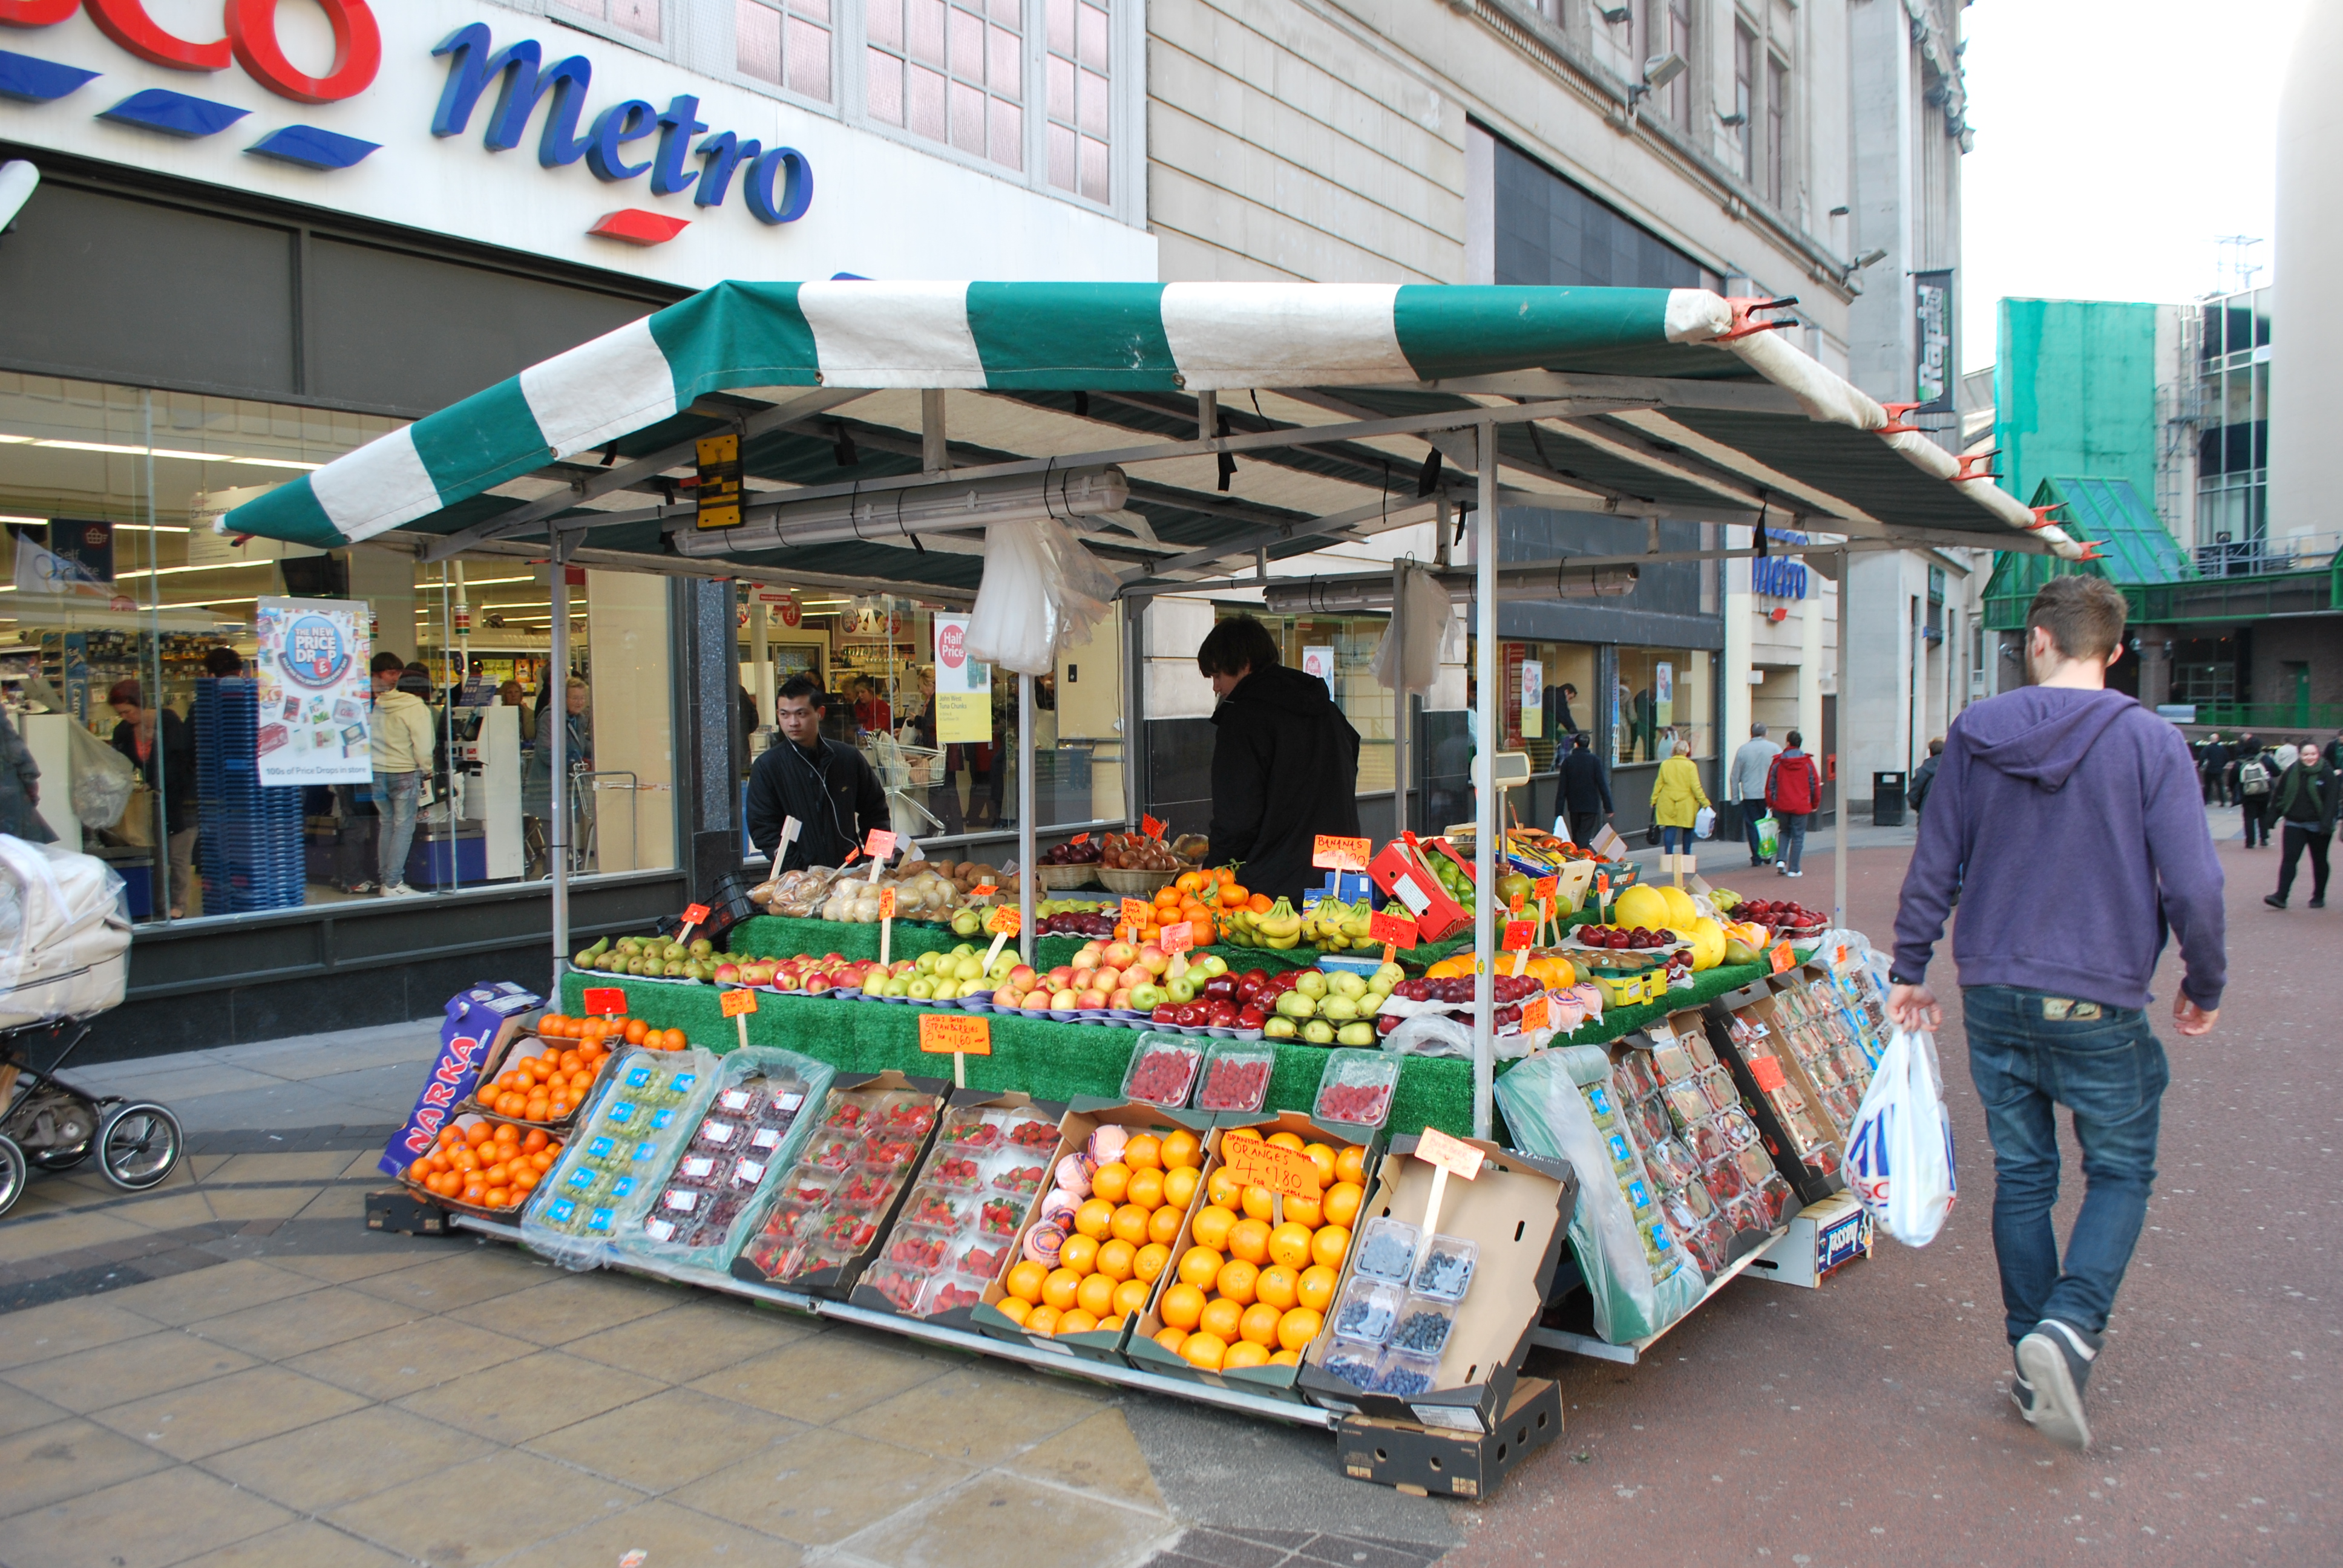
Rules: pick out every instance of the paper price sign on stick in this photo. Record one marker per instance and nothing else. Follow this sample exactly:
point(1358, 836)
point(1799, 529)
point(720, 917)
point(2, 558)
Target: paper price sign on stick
point(697, 915)
point(1535, 1014)
point(605, 999)
point(1784, 957)
point(942, 1034)
point(1545, 889)
point(736, 1001)
point(1331, 853)
point(1396, 930)
point(1454, 1155)
point(1767, 1071)
point(1518, 934)
point(1004, 921)
point(886, 903)
point(1287, 1173)
point(1177, 939)
point(879, 844)
point(1137, 912)
point(1153, 826)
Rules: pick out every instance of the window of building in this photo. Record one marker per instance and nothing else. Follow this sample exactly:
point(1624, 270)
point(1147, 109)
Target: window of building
point(1778, 112)
point(953, 74)
point(1550, 232)
point(640, 17)
point(785, 43)
point(1679, 92)
point(1745, 96)
point(1665, 695)
point(1080, 131)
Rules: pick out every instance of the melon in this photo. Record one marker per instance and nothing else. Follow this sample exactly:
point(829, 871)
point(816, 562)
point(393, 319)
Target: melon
point(1680, 912)
point(1641, 906)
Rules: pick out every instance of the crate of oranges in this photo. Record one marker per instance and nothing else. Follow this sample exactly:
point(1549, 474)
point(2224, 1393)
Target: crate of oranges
point(544, 1080)
point(1254, 1271)
point(484, 1167)
point(1122, 1180)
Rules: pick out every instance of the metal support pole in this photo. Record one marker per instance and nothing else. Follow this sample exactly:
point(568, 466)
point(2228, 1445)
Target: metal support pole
point(1027, 868)
point(1487, 819)
point(935, 450)
point(1133, 725)
point(557, 710)
point(760, 658)
point(1399, 705)
point(1838, 741)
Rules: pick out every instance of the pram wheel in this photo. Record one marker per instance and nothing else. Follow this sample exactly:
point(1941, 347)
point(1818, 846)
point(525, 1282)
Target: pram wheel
point(12, 1173)
point(64, 1158)
point(139, 1145)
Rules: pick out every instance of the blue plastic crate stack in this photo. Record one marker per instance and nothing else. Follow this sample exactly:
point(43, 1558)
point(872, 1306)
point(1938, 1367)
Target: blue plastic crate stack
point(250, 848)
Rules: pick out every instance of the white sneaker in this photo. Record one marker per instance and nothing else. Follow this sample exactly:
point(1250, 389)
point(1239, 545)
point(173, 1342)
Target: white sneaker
point(1794, 873)
point(400, 890)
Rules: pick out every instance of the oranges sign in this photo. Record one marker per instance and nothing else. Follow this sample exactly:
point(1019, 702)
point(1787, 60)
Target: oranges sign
point(1120, 1245)
point(1253, 1286)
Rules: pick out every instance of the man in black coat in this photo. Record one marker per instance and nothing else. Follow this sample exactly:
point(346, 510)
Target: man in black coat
point(1285, 763)
point(1586, 792)
point(827, 787)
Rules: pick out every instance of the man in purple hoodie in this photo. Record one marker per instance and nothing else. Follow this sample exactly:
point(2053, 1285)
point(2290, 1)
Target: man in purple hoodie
point(2068, 821)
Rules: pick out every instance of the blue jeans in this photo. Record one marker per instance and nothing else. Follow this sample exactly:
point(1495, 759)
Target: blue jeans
point(396, 796)
point(1792, 837)
point(1673, 840)
point(2110, 1073)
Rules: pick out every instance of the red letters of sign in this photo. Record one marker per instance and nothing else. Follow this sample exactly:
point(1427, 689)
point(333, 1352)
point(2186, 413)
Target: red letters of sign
point(251, 41)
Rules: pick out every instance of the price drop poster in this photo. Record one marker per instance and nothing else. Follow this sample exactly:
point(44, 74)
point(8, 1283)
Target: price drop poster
point(963, 688)
point(315, 724)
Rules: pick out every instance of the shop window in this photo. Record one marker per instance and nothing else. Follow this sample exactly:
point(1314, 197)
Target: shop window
point(785, 43)
point(1550, 691)
point(951, 73)
point(1662, 703)
point(1080, 114)
point(640, 17)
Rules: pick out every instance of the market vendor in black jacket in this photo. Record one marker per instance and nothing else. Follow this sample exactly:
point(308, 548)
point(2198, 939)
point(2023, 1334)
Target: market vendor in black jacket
point(827, 787)
point(1285, 764)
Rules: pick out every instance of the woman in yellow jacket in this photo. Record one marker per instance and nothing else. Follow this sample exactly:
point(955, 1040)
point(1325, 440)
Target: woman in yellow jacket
point(1676, 800)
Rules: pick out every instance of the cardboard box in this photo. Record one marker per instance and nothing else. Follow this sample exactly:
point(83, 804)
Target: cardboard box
point(1424, 1459)
point(1402, 873)
point(510, 1214)
point(518, 1040)
point(1083, 1117)
point(837, 1282)
point(1812, 1181)
point(1275, 1382)
point(1518, 1209)
point(864, 1295)
point(408, 1213)
point(1822, 1238)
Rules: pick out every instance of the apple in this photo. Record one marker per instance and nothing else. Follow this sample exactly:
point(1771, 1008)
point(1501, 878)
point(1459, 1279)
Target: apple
point(788, 982)
point(1256, 978)
point(1311, 984)
point(925, 963)
point(1061, 977)
point(1220, 987)
point(1122, 955)
point(1251, 1016)
point(1091, 999)
point(1213, 964)
point(728, 973)
point(1220, 1014)
point(817, 985)
point(1147, 998)
point(924, 988)
point(1163, 1012)
point(1022, 978)
point(1154, 959)
point(1182, 988)
point(1063, 1001)
point(1089, 957)
point(875, 983)
point(1191, 1016)
point(1082, 978)
point(1036, 1000)
point(1120, 1000)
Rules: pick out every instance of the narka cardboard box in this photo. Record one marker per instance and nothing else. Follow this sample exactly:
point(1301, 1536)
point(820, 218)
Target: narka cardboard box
point(1083, 1117)
point(1518, 1210)
point(1426, 1460)
point(865, 1295)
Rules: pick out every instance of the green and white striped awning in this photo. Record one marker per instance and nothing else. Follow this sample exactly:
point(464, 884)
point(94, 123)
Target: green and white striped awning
point(1024, 338)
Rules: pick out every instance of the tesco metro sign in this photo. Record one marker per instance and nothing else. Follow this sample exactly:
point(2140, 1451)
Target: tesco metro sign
point(776, 183)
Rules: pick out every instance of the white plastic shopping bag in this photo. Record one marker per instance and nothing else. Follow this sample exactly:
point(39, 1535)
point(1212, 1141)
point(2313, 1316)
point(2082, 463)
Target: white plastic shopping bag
point(1899, 1152)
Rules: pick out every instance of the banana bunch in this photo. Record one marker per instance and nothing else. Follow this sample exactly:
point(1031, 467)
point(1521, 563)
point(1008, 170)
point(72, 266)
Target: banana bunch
point(1279, 928)
point(1333, 927)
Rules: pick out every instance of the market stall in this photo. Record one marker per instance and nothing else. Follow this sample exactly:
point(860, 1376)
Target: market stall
point(1087, 423)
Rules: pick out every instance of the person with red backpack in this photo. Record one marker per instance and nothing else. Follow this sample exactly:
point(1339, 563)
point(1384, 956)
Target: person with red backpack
point(1794, 788)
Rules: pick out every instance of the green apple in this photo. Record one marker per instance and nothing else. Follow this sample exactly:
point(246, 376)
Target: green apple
point(966, 922)
point(1312, 984)
point(1280, 1029)
point(897, 986)
point(1340, 1008)
point(1211, 964)
point(1317, 1031)
point(1356, 1034)
point(966, 967)
point(874, 982)
point(1147, 998)
point(924, 988)
point(962, 951)
point(1294, 1004)
point(1181, 990)
point(925, 963)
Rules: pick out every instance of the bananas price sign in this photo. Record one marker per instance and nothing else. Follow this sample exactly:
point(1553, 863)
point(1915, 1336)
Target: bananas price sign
point(1331, 853)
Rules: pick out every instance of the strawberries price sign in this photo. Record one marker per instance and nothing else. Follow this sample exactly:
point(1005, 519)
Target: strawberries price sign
point(737, 1000)
point(945, 1034)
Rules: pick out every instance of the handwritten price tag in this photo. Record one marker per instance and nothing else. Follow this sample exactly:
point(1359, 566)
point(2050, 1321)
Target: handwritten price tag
point(943, 1034)
point(734, 1002)
point(1518, 934)
point(982, 890)
point(879, 844)
point(1330, 853)
point(1137, 912)
point(697, 915)
point(1177, 939)
point(1153, 826)
point(1287, 1172)
point(886, 903)
point(1785, 957)
point(1547, 888)
point(1396, 930)
point(1004, 922)
point(1080, 839)
point(1454, 1155)
point(1535, 1014)
point(1520, 901)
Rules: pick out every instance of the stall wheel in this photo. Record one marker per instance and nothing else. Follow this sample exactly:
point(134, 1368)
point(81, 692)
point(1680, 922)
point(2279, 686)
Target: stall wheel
point(139, 1145)
point(12, 1172)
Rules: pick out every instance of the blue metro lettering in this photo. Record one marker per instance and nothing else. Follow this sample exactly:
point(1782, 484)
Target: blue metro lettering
point(776, 185)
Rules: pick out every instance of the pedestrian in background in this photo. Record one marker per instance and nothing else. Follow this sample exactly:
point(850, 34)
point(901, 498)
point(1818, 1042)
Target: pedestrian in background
point(1921, 781)
point(161, 745)
point(1746, 785)
point(2304, 803)
point(1585, 790)
point(2215, 762)
point(2065, 786)
point(1677, 798)
point(403, 741)
point(1794, 792)
point(2254, 775)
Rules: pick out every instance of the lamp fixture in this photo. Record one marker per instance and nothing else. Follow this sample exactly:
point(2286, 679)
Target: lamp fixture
point(907, 512)
point(1658, 72)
